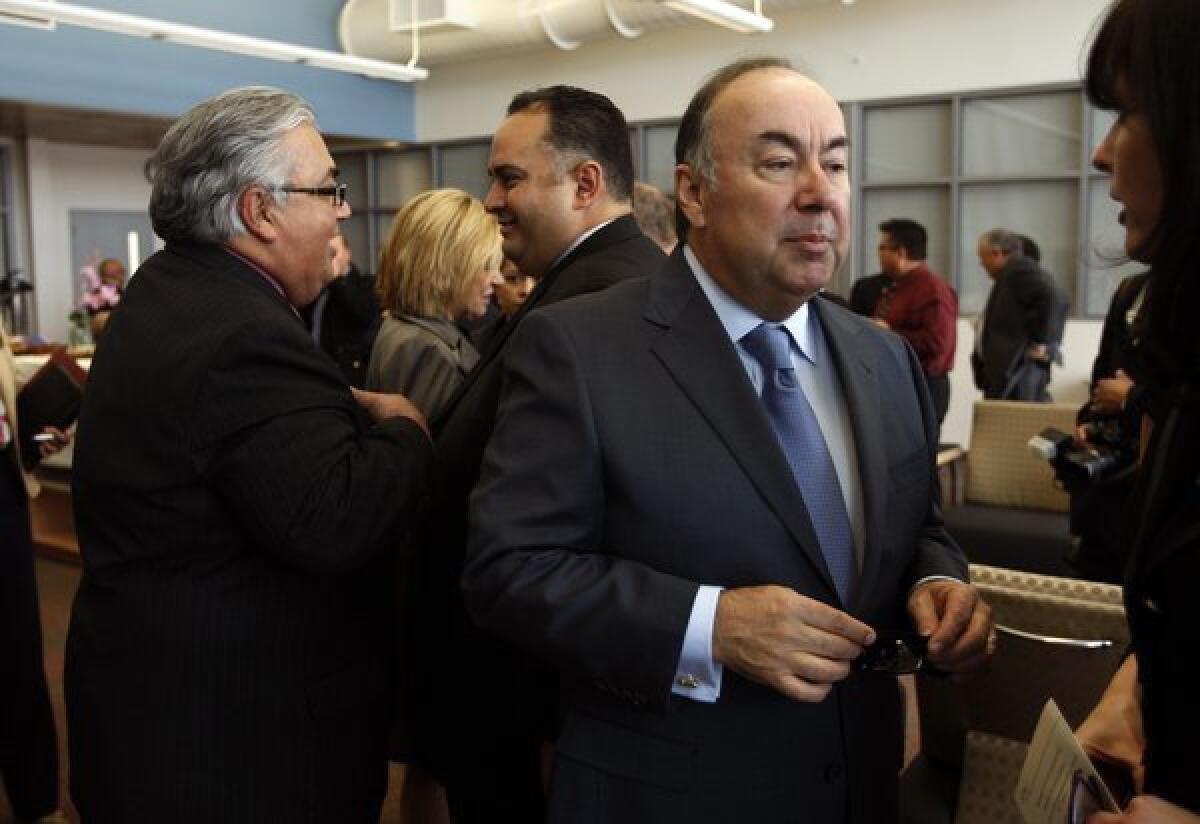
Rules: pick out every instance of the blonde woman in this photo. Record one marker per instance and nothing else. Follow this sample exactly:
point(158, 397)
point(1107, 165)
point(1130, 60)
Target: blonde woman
point(440, 264)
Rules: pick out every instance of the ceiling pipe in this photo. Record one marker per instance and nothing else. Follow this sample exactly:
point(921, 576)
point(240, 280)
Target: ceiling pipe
point(505, 26)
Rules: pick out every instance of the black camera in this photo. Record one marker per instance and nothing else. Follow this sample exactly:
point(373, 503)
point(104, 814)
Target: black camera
point(1077, 466)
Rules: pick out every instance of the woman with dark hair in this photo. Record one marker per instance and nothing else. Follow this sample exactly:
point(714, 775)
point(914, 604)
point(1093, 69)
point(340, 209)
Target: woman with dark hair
point(1143, 64)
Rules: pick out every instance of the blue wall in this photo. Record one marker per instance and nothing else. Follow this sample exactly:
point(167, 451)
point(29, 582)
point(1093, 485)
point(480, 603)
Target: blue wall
point(80, 68)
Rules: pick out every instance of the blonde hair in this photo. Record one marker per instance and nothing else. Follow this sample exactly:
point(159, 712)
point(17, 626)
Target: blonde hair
point(437, 244)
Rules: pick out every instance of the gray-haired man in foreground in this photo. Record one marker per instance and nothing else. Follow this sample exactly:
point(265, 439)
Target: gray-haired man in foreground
point(236, 505)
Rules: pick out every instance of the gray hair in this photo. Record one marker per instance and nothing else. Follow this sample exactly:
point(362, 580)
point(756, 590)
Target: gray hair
point(1003, 240)
point(214, 152)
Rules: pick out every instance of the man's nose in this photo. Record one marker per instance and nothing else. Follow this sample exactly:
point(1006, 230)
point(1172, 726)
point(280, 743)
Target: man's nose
point(493, 201)
point(815, 188)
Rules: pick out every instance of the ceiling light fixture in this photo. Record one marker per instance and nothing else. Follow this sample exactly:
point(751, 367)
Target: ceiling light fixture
point(135, 26)
point(726, 14)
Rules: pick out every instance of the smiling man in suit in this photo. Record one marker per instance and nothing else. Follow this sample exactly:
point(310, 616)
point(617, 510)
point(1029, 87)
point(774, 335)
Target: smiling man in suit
point(562, 186)
point(238, 507)
point(708, 491)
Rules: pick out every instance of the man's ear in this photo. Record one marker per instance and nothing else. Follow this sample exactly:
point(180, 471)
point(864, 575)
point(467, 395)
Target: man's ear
point(690, 194)
point(589, 183)
point(259, 213)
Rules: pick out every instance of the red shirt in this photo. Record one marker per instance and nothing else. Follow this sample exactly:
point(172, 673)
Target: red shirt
point(924, 311)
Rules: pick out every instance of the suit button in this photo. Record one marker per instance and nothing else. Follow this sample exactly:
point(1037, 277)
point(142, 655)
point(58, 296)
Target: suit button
point(833, 773)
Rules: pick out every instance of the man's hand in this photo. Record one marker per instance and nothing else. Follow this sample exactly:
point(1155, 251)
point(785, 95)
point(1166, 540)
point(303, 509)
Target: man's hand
point(777, 637)
point(1039, 352)
point(1147, 809)
point(881, 323)
point(53, 440)
point(382, 406)
point(1109, 394)
point(957, 623)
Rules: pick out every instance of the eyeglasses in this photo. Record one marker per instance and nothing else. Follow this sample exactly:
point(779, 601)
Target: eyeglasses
point(895, 653)
point(336, 192)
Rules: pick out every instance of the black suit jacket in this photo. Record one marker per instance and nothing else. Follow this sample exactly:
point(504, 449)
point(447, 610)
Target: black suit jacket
point(228, 655)
point(1160, 596)
point(349, 323)
point(1022, 309)
point(633, 461)
point(465, 734)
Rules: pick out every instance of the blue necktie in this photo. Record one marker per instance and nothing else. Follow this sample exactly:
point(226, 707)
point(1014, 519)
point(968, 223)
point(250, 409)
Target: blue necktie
point(807, 454)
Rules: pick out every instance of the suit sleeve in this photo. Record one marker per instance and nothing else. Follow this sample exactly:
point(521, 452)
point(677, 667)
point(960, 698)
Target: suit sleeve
point(1035, 293)
point(538, 572)
point(287, 449)
point(936, 552)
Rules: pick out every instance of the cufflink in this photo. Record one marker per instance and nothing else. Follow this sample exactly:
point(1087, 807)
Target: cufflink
point(688, 681)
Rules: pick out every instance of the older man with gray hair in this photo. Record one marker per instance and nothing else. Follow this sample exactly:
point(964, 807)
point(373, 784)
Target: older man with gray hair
point(237, 506)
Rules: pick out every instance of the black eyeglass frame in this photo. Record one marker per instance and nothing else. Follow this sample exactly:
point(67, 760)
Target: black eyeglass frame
point(336, 191)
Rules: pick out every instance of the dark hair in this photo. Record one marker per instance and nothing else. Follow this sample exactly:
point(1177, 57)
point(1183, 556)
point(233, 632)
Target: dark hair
point(585, 123)
point(908, 235)
point(1029, 248)
point(693, 144)
point(1143, 59)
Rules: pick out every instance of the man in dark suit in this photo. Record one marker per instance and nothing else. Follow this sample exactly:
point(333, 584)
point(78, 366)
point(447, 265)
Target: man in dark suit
point(345, 317)
point(646, 523)
point(238, 509)
point(1016, 342)
point(562, 183)
point(867, 291)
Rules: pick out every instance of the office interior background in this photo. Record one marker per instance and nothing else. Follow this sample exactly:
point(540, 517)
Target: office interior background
point(963, 114)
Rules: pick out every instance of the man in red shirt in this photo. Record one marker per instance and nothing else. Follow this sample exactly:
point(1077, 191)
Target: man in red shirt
point(922, 308)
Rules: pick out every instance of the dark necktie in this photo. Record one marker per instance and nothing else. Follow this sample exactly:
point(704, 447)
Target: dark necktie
point(807, 454)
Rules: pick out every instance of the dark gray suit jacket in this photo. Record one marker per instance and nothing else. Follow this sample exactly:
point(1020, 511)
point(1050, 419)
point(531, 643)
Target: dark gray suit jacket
point(229, 651)
point(1022, 308)
point(631, 462)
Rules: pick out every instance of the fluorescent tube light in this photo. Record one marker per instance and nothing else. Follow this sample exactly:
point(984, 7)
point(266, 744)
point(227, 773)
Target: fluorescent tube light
point(724, 13)
point(135, 26)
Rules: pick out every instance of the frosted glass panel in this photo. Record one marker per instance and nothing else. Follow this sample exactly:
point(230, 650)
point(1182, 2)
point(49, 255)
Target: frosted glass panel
point(465, 167)
point(1101, 122)
point(402, 175)
point(908, 142)
point(1046, 212)
point(660, 157)
point(1023, 135)
point(929, 206)
point(1105, 259)
point(383, 222)
point(354, 229)
point(352, 170)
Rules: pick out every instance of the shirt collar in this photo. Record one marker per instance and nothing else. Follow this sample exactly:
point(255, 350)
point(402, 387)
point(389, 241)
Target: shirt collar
point(579, 240)
point(740, 321)
point(265, 275)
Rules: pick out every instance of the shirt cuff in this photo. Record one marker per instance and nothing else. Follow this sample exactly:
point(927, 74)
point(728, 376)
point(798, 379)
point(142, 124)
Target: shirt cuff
point(698, 676)
point(929, 578)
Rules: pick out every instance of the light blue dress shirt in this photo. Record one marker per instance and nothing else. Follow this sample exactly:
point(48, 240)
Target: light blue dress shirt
point(698, 676)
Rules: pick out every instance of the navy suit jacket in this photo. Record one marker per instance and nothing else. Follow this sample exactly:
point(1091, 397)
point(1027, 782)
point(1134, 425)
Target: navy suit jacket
point(632, 461)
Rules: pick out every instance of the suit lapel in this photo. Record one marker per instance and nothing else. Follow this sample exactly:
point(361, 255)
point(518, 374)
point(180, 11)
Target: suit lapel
point(697, 352)
point(861, 390)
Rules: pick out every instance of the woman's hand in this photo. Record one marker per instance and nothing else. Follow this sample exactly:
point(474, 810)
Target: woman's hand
point(1113, 731)
point(1147, 809)
point(1109, 394)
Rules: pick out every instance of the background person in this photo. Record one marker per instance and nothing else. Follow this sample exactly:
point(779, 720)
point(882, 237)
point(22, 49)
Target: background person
point(921, 307)
point(345, 317)
point(28, 744)
point(1142, 64)
point(439, 265)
